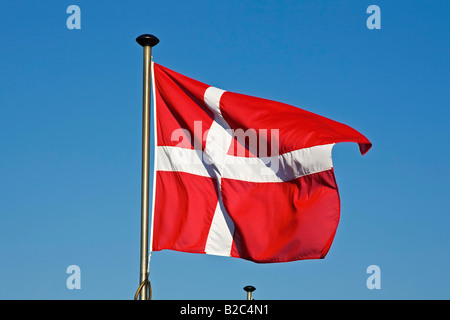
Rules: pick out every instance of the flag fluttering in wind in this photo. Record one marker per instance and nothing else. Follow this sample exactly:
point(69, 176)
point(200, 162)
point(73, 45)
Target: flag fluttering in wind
point(242, 176)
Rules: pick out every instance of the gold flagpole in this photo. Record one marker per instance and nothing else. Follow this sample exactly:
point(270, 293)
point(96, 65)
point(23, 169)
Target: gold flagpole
point(147, 41)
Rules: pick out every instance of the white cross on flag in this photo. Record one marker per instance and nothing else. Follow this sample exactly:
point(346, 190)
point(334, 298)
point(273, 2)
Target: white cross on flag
point(242, 176)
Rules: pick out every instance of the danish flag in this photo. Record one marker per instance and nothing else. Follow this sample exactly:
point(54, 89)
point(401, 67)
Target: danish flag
point(242, 176)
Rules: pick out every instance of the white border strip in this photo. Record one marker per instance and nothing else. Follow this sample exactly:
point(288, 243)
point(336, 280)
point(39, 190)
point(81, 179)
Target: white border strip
point(155, 161)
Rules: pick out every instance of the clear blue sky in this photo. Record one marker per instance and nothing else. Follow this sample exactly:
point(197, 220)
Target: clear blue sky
point(70, 141)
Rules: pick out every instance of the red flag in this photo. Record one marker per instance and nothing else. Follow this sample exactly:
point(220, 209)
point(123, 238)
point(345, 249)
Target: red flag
point(242, 176)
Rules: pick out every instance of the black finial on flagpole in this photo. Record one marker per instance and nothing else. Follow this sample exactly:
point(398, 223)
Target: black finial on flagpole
point(147, 40)
point(249, 290)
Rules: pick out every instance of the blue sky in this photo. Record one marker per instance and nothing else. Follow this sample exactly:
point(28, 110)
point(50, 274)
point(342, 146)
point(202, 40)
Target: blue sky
point(70, 141)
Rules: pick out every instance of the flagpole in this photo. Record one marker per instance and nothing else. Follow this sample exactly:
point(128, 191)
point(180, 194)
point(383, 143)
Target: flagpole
point(249, 290)
point(147, 41)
